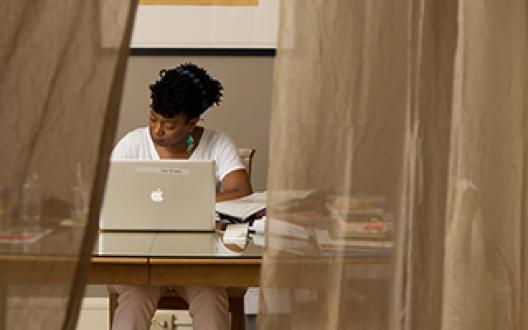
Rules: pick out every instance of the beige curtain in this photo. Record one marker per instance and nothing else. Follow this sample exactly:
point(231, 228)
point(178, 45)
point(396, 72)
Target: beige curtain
point(397, 167)
point(61, 70)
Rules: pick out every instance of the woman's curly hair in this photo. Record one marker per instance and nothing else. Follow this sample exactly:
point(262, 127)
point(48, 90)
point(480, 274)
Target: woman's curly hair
point(187, 89)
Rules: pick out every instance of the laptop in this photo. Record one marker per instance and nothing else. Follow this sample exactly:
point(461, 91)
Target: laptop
point(163, 195)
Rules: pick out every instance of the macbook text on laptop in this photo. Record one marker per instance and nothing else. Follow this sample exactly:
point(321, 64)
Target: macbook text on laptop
point(163, 195)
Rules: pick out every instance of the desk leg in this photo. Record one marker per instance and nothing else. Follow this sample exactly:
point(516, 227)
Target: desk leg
point(238, 317)
point(3, 307)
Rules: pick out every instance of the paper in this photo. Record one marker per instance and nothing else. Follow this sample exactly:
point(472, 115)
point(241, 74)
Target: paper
point(283, 228)
point(258, 240)
point(243, 208)
point(324, 240)
point(18, 236)
point(236, 234)
point(259, 226)
point(282, 199)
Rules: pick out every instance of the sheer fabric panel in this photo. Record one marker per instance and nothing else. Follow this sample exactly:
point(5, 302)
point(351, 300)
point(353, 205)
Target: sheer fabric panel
point(410, 115)
point(339, 128)
point(60, 86)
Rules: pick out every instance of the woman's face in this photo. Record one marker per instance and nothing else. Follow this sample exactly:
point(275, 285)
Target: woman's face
point(167, 132)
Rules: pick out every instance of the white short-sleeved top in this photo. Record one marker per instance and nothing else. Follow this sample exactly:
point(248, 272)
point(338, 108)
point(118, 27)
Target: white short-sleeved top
point(213, 145)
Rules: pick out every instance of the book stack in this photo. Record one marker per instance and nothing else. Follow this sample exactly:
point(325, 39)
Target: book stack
point(357, 223)
point(359, 216)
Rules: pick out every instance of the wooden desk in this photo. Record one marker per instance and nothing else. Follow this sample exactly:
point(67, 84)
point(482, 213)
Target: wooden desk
point(119, 271)
point(174, 259)
point(169, 259)
point(228, 272)
point(166, 272)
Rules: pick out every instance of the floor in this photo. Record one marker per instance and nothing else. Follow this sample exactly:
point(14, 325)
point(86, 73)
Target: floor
point(251, 322)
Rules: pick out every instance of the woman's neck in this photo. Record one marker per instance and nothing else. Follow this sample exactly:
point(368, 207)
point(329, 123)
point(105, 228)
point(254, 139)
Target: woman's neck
point(180, 150)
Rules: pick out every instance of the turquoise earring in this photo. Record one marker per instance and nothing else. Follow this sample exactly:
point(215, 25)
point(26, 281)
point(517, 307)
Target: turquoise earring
point(190, 142)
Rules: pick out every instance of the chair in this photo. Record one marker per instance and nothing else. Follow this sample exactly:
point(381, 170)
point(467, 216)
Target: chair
point(171, 299)
point(246, 154)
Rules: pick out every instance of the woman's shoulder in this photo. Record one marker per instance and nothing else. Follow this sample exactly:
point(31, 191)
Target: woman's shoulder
point(215, 135)
point(138, 135)
point(214, 139)
point(223, 150)
point(139, 132)
point(133, 141)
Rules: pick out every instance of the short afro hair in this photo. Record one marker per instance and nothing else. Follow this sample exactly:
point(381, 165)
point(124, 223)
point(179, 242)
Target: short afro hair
point(187, 89)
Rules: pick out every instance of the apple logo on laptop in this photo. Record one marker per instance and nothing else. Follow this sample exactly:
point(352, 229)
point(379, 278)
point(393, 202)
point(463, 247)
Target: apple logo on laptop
point(157, 195)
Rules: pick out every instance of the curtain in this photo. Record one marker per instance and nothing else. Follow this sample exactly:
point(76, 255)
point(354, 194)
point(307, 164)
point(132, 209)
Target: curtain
point(61, 73)
point(397, 167)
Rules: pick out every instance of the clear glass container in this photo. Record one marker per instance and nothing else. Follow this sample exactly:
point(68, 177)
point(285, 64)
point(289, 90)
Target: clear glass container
point(31, 202)
point(4, 207)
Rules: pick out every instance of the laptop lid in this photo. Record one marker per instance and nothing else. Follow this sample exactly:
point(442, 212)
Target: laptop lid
point(162, 195)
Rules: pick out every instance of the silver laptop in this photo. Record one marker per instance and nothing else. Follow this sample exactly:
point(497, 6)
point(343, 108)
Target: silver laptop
point(164, 195)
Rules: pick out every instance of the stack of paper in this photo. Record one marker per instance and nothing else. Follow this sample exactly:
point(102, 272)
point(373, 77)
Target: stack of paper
point(325, 241)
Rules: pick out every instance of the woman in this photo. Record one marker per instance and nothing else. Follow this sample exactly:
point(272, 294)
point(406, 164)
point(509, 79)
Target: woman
point(179, 98)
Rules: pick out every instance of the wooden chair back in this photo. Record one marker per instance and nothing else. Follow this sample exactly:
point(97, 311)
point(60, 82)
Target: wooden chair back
point(246, 154)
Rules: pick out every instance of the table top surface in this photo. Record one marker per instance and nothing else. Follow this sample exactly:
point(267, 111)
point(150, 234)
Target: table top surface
point(172, 245)
point(55, 240)
point(60, 242)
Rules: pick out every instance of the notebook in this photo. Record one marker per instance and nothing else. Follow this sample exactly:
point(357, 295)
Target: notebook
point(241, 209)
point(163, 195)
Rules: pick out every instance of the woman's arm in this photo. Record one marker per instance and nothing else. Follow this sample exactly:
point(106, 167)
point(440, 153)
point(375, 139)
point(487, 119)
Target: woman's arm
point(234, 185)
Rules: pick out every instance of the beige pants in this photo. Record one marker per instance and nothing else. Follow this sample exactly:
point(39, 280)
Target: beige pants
point(136, 305)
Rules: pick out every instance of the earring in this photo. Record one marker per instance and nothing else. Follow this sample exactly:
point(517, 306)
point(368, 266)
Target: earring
point(190, 142)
